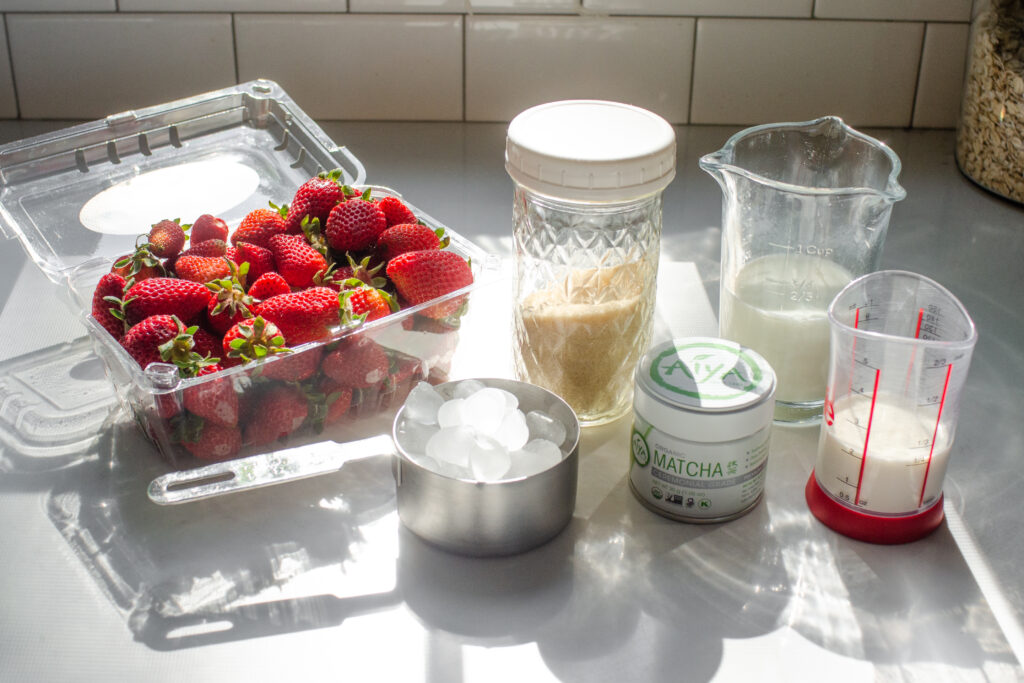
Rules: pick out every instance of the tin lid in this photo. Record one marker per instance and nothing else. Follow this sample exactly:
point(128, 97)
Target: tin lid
point(591, 150)
point(705, 389)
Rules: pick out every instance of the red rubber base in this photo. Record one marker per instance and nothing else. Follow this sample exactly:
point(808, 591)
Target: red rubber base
point(871, 528)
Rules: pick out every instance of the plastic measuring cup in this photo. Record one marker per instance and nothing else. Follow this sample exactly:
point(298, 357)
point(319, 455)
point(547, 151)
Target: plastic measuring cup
point(900, 350)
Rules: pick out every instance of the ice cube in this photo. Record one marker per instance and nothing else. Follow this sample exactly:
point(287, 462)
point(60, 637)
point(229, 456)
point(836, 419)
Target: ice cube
point(484, 411)
point(467, 388)
point(423, 403)
point(488, 459)
point(535, 457)
point(544, 426)
point(452, 445)
point(450, 413)
point(513, 432)
point(511, 400)
point(413, 436)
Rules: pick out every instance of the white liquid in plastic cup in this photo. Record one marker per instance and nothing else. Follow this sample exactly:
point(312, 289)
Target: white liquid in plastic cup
point(901, 347)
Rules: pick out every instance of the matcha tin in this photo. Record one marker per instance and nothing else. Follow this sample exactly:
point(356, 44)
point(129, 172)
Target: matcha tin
point(702, 417)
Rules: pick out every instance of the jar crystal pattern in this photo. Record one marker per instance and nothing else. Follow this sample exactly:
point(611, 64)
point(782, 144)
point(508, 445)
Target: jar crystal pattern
point(586, 286)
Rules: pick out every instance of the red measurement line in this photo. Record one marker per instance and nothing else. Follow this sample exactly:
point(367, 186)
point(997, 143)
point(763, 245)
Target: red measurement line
point(913, 351)
point(853, 349)
point(867, 437)
point(935, 434)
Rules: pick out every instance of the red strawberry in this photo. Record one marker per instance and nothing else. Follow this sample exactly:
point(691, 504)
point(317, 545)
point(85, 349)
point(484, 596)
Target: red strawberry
point(357, 362)
point(110, 286)
point(258, 227)
point(164, 295)
point(406, 371)
point(295, 367)
point(328, 403)
point(260, 259)
point(404, 237)
point(250, 340)
point(268, 285)
point(303, 316)
point(337, 278)
point(206, 345)
point(276, 414)
point(296, 260)
point(142, 264)
point(421, 276)
point(159, 339)
point(214, 400)
point(229, 304)
point(166, 238)
point(207, 227)
point(366, 303)
point(211, 247)
point(314, 199)
point(395, 211)
point(202, 268)
point(354, 225)
point(215, 442)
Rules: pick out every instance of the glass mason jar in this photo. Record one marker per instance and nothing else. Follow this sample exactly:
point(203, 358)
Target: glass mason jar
point(990, 133)
point(589, 176)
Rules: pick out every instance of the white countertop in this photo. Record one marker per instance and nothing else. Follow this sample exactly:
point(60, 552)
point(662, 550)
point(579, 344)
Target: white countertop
point(318, 580)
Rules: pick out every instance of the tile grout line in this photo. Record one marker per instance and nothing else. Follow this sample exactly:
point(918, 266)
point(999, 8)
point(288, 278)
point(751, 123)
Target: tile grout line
point(234, 46)
point(10, 65)
point(917, 81)
point(465, 22)
point(693, 72)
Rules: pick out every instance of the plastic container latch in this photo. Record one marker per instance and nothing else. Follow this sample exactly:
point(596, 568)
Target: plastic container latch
point(163, 375)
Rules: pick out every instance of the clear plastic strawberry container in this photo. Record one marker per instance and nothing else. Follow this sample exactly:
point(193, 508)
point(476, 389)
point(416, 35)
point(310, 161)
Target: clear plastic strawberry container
point(78, 198)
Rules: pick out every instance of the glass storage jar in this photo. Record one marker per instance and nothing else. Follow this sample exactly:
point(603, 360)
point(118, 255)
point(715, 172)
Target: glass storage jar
point(589, 177)
point(990, 133)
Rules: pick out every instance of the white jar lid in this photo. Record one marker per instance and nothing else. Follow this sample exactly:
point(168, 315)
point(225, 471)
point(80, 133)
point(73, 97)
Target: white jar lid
point(590, 150)
point(705, 389)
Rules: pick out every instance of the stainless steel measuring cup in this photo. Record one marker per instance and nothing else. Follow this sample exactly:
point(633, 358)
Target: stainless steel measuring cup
point(805, 209)
point(901, 346)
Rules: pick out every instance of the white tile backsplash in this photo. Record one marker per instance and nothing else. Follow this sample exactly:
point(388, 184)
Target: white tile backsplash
point(698, 8)
point(900, 10)
point(486, 60)
point(425, 6)
point(940, 82)
point(232, 5)
point(8, 99)
point(386, 67)
point(58, 5)
point(525, 6)
point(864, 72)
point(513, 63)
point(91, 65)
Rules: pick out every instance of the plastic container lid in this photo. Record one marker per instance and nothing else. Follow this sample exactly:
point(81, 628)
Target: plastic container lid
point(590, 150)
point(705, 389)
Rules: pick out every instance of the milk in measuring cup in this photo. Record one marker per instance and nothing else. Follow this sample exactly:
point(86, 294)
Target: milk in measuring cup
point(777, 307)
point(900, 461)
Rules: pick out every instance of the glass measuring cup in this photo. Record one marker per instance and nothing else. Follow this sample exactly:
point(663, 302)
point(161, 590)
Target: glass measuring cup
point(805, 210)
point(901, 347)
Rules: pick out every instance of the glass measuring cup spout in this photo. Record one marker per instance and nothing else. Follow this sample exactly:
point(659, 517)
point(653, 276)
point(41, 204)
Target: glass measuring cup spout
point(823, 156)
point(805, 210)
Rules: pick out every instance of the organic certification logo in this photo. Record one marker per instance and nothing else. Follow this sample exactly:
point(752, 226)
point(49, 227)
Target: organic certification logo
point(641, 454)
